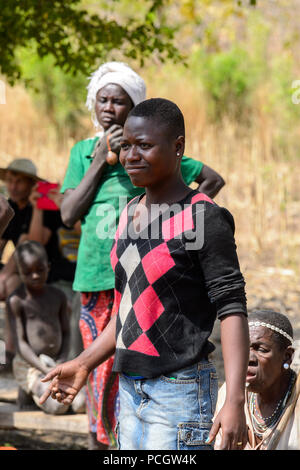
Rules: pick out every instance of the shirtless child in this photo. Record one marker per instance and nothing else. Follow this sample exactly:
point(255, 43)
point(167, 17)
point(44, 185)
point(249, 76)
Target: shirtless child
point(41, 322)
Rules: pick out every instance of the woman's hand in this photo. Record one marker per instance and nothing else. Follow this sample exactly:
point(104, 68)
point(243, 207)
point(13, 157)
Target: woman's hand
point(67, 381)
point(232, 421)
point(76, 202)
point(101, 150)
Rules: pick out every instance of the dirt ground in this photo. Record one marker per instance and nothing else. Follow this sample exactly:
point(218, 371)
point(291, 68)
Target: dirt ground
point(37, 440)
point(267, 287)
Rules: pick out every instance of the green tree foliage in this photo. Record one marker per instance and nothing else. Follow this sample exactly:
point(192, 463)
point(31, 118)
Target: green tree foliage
point(227, 81)
point(77, 38)
point(59, 95)
point(53, 46)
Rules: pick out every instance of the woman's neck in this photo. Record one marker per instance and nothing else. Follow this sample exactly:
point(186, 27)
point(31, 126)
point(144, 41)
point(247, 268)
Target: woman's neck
point(169, 193)
point(272, 395)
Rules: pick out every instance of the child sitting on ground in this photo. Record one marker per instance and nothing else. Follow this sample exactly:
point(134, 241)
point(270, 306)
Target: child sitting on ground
point(41, 324)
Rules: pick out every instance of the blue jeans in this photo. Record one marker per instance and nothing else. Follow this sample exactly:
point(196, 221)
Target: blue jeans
point(168, 413)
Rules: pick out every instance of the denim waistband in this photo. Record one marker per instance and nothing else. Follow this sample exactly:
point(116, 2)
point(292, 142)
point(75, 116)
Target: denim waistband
point(203, 364)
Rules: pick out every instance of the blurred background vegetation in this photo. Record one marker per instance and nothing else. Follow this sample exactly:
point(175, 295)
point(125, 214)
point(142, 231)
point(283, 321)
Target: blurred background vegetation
point(234, 84)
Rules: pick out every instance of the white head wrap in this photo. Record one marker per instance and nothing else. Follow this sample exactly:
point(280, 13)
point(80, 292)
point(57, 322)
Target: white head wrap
point(118, 73)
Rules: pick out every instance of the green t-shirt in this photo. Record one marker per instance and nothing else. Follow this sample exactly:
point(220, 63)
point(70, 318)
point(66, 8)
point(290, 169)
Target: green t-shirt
point(94, 272)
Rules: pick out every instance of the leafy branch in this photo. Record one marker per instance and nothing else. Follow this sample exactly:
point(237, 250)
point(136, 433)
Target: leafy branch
point(75, 38)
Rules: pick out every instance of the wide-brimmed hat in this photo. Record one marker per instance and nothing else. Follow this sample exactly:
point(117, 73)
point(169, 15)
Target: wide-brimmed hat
point(21, 165)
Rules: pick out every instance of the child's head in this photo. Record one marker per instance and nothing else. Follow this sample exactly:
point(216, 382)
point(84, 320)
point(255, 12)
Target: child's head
point(32, 262)
point(153, 142)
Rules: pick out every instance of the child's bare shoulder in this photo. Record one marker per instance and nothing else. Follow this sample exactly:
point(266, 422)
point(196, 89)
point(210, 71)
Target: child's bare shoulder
point(16, 298)
point(59, 294)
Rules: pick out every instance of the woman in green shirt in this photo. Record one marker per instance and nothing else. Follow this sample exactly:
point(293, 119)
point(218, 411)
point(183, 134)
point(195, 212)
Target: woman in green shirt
point(95, 193)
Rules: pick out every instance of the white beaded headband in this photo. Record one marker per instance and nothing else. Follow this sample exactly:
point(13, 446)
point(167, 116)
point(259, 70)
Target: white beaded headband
point(272, 327)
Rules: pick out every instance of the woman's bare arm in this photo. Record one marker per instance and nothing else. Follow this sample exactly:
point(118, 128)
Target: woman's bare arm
point(76, 202)
point(210, 182)
point(231, 418)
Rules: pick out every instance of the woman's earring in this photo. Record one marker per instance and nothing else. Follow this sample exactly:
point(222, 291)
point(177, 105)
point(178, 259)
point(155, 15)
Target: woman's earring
point(286, 366)
point(178, 154)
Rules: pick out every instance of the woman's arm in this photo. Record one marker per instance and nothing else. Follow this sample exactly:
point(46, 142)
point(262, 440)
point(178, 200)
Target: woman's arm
point(231, 418)
point(70, 377)
point(226, 290)
point(76, 202)
point(210, 182)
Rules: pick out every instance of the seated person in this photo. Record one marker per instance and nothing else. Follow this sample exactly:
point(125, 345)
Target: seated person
point(41, 323)
point(272, 404)
point(61, 243)
point(32, 223)
point(19, 178)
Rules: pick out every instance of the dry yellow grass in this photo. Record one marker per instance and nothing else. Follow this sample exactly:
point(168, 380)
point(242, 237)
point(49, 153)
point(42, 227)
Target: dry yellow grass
point(25, 132)
point(262, 188)
point(262, 191)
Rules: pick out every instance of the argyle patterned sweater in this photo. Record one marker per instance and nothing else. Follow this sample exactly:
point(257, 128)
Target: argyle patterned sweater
point(172, 280)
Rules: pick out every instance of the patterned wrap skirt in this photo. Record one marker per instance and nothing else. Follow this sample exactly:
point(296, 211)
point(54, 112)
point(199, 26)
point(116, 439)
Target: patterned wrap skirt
point(102, 396)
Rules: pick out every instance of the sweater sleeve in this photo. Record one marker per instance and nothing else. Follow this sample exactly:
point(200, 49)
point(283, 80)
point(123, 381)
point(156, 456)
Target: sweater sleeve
point(219, 262)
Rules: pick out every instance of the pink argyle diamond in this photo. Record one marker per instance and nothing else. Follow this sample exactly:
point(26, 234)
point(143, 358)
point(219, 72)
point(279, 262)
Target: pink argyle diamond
point(178, 224)
point(157, 262)
point(201, 197)
point(148, 308)
point(144, 345)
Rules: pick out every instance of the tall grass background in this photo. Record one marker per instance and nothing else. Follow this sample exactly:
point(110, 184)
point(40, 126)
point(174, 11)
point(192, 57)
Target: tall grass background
point(240, 120)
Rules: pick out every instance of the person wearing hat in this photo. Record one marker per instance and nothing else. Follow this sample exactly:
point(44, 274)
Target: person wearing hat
point(19, 176)
point(92, 191)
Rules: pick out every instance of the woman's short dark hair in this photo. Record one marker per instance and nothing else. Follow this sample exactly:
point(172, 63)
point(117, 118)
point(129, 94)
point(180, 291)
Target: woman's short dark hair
point(164, 112)
point(275, 319)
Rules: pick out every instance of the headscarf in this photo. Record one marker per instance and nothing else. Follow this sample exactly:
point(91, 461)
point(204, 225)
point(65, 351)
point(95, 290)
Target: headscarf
point(118, 73)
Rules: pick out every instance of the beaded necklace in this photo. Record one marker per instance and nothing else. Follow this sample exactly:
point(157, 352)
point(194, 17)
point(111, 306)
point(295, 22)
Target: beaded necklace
point(269, 422)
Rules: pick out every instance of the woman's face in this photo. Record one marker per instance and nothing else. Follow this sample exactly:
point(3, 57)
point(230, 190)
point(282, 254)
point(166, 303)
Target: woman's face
point(112, 105)
point(265, 360)
point(148, 153)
